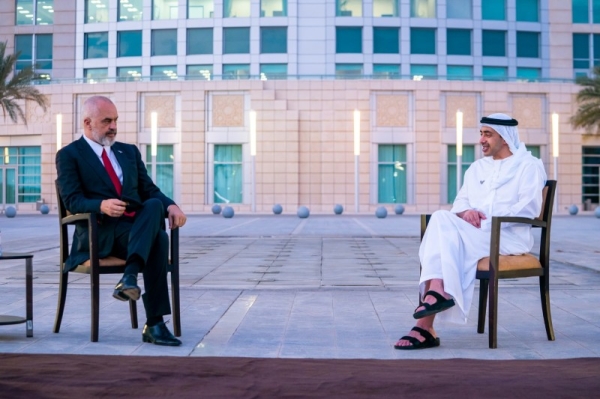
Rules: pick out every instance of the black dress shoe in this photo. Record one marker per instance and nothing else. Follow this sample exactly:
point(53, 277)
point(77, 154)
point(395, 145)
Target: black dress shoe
point(127, 288)
point(159, 334)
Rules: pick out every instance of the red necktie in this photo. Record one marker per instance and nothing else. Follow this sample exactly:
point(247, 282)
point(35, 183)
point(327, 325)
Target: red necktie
point(113, 176)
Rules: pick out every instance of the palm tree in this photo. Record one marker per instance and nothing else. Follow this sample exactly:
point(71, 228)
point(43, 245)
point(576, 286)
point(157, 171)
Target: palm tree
point(18, 87)
point(588, 98)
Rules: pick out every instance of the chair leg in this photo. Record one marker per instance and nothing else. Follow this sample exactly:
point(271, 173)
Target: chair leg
point(133, 314)
point(62, 298)
point(545, 297)
point(493, 317)
point(95, 288)
point(483, 294)
point(175, 303)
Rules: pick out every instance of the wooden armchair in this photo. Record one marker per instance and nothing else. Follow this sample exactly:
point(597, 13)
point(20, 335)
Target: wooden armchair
point(491, 269)
point(95, 267)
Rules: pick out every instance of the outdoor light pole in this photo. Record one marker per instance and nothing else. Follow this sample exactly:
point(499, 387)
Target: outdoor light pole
point(253, 155)
point(555, 154)
point(153, 142)
point(459, 149)
point(58, 132)
point(356, 156)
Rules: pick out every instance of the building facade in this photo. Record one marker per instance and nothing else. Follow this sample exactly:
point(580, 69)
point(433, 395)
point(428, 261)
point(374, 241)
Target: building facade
point(258, 102)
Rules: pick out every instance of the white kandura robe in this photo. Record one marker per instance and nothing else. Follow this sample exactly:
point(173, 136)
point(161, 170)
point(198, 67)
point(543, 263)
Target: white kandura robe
point(452, 247)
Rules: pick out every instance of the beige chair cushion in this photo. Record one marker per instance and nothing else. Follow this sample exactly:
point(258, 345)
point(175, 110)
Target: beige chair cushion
point(511, 262)
point(108, 261)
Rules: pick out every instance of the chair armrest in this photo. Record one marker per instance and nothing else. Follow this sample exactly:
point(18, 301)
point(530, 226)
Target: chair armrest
point(516, 219)
point(78, 217)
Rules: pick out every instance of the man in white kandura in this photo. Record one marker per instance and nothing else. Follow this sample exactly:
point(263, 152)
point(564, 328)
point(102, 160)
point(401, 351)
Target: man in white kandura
point(507, 181)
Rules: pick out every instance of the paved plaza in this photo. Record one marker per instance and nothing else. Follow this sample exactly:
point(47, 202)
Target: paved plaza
point(323, 287)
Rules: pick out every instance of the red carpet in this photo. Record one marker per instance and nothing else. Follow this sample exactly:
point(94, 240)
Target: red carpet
point(79, 376)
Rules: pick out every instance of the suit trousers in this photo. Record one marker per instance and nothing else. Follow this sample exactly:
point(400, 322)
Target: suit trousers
point(143, 238)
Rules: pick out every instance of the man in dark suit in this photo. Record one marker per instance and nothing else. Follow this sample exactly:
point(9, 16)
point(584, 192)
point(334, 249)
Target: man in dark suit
point(98, 174)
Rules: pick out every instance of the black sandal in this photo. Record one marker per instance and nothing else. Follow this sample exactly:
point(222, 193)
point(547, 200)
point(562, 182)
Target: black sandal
point(430, 341)
point(440, 305)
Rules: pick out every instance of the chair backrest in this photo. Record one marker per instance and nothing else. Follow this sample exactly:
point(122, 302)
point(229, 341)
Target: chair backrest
point(548, 194)
point(64, 231)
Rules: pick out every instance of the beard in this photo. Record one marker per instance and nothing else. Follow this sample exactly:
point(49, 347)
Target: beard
point(103, 140)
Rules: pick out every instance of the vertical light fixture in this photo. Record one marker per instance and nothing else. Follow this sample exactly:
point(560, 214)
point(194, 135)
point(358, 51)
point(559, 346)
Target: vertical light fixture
point(153, 142)
point(459, 149)
point(253, 156)
point(555, 154)
point(356, 156)
point(58, 131)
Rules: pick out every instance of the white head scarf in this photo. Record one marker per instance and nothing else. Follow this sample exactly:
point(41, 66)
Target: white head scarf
point(510, 134)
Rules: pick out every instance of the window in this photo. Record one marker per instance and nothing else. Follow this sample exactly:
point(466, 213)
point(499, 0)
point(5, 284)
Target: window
point(236, 40)
point(348, 39)
point(165, 161)
point(96, 45)
point(163, 72)
point(348, 71)
point(96, 11)
point(129, 43)
point(386, 71)
point(273, 71)
point(36, 52)
point(236, 71)
point(468, 157)
point(129, 74)
point(199, 41)
point(581, 53)
point(495, 73)
point(236, 8)
point(200, 9)
point(528, 10)
point(459, 72)
point(392, 173)
point(20, 175)
point(348, 8)
point(493, 43)
point(418, 71)
point(422, 8)
point(131, 10)
point(529, 74)
point(580, 11)
point(165, 9)
point(385, 8)
point(164, 42)
point(458, 42)
point(273, 40)
point(228, 174)
point(199, 72)
point(273, 8)
point(34, 12)
point(493, 10)
point(386, 40)
point(590, 176)
point(95, 75)
point(528, 44)
point(422, 41)
point(461, 9)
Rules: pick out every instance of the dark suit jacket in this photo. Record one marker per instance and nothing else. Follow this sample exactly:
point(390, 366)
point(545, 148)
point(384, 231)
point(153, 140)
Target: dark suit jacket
point(83, 184)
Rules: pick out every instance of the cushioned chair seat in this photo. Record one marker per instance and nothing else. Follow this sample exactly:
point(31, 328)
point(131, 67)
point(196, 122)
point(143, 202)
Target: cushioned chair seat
point(511, 262)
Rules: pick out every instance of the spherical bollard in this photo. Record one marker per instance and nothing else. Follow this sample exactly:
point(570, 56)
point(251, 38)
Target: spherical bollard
point(228, 212)
point(381, 212)
point(216, 209)
point(399, 209)
point(338, 209)
point(303, 212)
point(573, 210)
point(10, 212)
point(44, 209)
point(597, 212)
point(277, 209)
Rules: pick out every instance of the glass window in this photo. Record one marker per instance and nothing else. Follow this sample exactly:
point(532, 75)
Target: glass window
point(273, 39)
point(422, 41)
point(468, 157)
point(131, 10)
point(273, 8)
point(580, 11)
point(165, 9)
point(96, 11)
point(236, 71)
point(581, 50)
point(495, 73)
point(199, 41)
point(348, 39)
point(24, 12)
point(348, 71)
point(590, 175)
point(273, 71)
point(528, 44)
point(236, 40)
point(386, 40)
point(494, 10)
point(461, 9)
point(165, 161)
point(95, 75)
point(96, 45)
point(528, 10)
point(43, 52)
point(422, 8)
point(493, 43)
point(459, 72)
point(529, 74)
point(39, 11)
point(199, 72)
point(163, 72)
point(228, 174)
point(385, 8)
point(419, 71)
point(534, 150)
point(44, 12)
point(458, 42)
point(200, 9)
point(164, 42)
point(386, 71)
point(348, 8)
point(24, 45)
point(129, 74)
point(236, 8)
point(129, 43)
point(392, 174)
point(596, 11)
point(596, 43)
point(23, 181)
